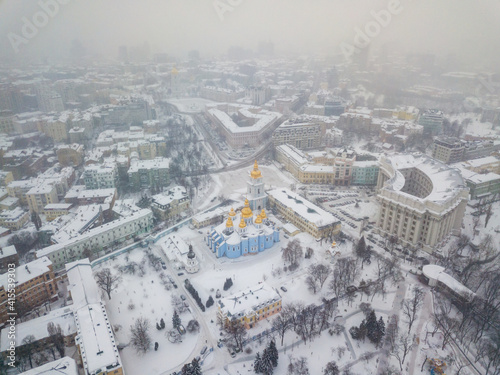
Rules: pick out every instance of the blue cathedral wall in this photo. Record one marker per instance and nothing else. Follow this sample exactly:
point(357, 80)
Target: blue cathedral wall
point(247, 245)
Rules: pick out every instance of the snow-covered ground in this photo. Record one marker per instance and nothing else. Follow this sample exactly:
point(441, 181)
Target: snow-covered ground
point(151, 300)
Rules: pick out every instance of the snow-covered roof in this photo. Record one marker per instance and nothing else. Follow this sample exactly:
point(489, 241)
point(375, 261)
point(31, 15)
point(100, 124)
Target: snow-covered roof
point(84, 217)
point(156, 163)
point(57, 206)
point(7, 251)
point(293, 153)
point(249, 301)
point(315, 168)
point(96, 231)
point(308, 210)
point(438, 273)
point(97, 343)
point(61, 366)
point(264, 118)
point(27, 272)
point(82, 284)
point(446, 182)
point(38, 327)
point(165, 198)
point(95, 337)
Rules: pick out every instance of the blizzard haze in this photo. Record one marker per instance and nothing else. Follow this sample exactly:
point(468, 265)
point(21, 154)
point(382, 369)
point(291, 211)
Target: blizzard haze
point(464, 28)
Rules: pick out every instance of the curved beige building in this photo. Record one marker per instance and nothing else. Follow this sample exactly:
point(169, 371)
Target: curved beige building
point(422, 200)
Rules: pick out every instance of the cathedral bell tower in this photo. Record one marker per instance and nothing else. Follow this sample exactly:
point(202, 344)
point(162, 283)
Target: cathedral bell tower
point(255, 189)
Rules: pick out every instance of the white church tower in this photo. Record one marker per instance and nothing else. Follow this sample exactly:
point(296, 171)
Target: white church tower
point(255, 189)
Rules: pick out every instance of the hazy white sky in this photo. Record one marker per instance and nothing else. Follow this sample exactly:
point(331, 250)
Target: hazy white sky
point(467, 28)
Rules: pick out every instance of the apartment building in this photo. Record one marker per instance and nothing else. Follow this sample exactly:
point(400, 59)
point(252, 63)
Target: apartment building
point(40, 196)
point(302, 135)
point(170, 204)
point(35, 285)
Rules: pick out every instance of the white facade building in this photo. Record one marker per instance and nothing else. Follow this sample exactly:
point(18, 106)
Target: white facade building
point(422, 200)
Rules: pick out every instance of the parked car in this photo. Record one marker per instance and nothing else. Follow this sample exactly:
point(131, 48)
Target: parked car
point(284, 289)
point(204, 350)
point(180, 274)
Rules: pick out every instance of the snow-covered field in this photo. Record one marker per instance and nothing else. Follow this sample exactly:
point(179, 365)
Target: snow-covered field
point(151, 300)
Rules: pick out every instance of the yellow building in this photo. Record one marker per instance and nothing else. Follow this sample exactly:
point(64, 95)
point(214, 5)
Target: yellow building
point(35, 285)
point(250, 306)
point(54, 210)
point(303, 214)
point(40, 196)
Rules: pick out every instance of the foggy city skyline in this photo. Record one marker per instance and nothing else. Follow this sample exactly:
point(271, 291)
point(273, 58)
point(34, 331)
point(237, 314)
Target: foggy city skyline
point(463, 29)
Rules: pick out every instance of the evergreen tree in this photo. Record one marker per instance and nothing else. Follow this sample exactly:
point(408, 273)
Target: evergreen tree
point(380, 333)
point(228, 283)
point(267, 362)
point(273, 351)
point(371, 325)
point(176, 320)
point(210, 302)
point(361, 247)
point(195, 367)
point(331, 369)
point(257, 364)
point(162, 323)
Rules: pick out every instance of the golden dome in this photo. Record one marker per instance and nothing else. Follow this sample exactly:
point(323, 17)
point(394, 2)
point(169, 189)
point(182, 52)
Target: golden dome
point(258, 220)
point(246, 212)
point(232, 213)
point(255, 173)
point(242, 223)
point(229, 222)
point(263, 214)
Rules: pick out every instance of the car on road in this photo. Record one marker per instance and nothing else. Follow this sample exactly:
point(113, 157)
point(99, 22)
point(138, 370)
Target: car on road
point(284, 289)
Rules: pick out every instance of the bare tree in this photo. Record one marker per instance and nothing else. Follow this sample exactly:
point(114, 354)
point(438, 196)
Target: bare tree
point(107, 281)
point(293, 252)
point(320, 272)
point(344, 274)
point(391, 333)
point(56, 338)
point(298, 366)
point(28, 348)
point(141, 339)
point(312, 284)
point(235, 333)
point(403, 346)
point(281, 324)
point(411, 306)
